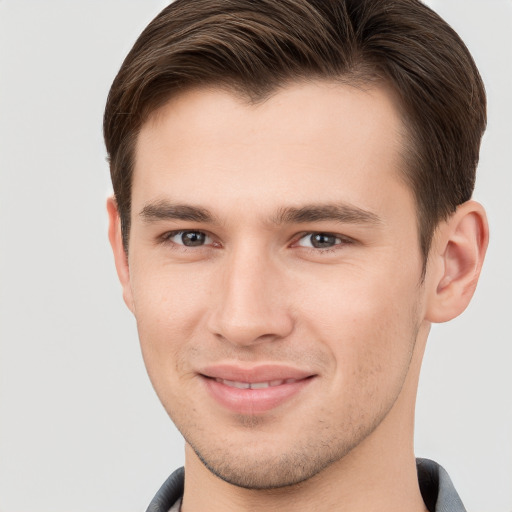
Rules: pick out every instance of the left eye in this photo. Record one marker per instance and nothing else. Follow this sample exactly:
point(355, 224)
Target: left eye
point(189, 238)
point(319, 240)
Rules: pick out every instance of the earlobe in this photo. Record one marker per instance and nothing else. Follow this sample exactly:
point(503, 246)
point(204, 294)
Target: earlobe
point(120, 256)
point(456, 259)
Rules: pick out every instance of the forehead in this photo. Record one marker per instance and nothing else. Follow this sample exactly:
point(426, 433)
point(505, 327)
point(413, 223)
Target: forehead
point(306, 142)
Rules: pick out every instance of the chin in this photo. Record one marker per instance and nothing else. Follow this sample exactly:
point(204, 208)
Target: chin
point(258, 476)
point(264, 468)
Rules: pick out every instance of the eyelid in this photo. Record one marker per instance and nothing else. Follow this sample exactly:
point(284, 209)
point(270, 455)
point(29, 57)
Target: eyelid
point(340, 240)
point(168, 235)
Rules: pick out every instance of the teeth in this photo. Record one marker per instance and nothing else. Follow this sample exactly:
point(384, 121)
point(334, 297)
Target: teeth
point(260, 385)
point(234, 384)
point(254, 385)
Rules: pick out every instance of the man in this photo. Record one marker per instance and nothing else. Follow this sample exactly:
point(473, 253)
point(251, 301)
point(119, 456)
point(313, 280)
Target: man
point(292, 211)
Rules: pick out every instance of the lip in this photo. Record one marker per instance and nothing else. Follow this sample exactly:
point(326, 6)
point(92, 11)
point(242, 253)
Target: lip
point(252, 401)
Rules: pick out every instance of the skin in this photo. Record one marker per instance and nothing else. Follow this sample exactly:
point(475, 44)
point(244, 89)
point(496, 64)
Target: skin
point(354, 314)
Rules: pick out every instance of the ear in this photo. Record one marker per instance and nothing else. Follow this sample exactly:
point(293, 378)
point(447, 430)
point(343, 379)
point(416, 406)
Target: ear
point(120, 256)
point(456, 260)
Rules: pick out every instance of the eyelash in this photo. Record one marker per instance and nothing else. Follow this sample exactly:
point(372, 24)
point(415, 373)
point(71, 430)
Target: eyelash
point(166, 239)
point(341, 241)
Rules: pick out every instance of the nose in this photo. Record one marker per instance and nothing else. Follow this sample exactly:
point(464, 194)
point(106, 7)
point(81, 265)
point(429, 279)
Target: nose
point(251, 301)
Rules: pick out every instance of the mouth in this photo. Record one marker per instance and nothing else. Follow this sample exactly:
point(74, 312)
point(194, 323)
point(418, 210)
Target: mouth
point(256, 390)
point(255, 385)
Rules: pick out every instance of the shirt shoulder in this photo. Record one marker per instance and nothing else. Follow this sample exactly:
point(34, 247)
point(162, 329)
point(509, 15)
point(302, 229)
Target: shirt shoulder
point(436, 488)
point(170, 493)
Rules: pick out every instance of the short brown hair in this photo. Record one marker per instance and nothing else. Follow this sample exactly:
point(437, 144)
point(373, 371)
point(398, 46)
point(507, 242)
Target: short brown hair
point(255, 46)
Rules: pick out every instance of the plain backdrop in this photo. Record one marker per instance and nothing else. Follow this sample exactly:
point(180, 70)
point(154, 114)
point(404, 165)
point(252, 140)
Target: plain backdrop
point(80, 427)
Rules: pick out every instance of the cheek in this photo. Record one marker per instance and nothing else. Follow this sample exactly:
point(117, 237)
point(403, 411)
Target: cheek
point(367, 323)
point(169, 309)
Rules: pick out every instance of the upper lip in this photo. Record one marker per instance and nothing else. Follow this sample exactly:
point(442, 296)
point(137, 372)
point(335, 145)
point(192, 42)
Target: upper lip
point(259, 373)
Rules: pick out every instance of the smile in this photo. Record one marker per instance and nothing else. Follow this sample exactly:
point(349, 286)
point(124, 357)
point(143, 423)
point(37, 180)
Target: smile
point(255, 390)
point(255, 385)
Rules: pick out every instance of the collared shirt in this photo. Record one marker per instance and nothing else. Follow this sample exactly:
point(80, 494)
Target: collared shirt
point(436, 489)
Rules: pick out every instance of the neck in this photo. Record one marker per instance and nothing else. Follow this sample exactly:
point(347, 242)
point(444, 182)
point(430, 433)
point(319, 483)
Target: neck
point(379, 474)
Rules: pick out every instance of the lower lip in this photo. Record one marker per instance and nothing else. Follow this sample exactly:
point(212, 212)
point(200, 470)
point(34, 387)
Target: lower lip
point(254, 401)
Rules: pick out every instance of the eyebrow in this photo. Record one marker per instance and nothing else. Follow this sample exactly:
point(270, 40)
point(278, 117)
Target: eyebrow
point(163, 210)
point(342, 213)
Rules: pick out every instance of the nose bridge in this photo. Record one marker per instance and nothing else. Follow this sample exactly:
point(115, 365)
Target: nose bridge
point(251, 305)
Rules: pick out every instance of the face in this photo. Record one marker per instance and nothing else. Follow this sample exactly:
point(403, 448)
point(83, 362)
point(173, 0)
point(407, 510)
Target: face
point(274, 273)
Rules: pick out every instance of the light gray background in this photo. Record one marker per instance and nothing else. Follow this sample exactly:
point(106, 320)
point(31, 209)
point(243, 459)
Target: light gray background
point(80, 427)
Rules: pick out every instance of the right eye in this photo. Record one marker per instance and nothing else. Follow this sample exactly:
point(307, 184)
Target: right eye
point(188, 238)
